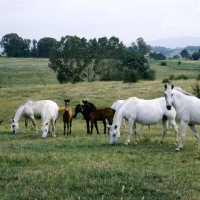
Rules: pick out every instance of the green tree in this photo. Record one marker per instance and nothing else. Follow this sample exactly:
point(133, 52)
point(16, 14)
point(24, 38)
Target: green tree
point(34, 51)
point(184, 54)
point(27, 47)
point(138, 66)
point(45, 46)
point(13, 45)
point(176, 57)
point(195, 56)
point(143, 48)
point(68, 59)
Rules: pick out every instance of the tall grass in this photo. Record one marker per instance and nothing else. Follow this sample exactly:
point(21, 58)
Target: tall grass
point(84, 166)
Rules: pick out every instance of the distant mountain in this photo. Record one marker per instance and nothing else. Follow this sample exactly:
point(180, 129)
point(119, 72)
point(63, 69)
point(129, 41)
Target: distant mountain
point(176, 42)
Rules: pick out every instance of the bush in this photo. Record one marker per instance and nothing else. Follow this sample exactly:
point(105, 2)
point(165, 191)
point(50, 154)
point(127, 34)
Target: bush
point(166, 80)
point(163, 63)
point(196, 89)
point(182, 76)
point(171, 77)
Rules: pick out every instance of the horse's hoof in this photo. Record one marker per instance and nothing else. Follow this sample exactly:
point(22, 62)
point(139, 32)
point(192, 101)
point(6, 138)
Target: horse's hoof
point(177, 149)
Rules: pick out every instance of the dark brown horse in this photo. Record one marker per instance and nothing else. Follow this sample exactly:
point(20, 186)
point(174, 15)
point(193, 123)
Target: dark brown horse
point(85, 114)
point(93, 114)
point(67, 117)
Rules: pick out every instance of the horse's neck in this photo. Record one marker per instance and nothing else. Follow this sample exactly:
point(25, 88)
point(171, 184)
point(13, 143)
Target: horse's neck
point(118, 116)
point(18, 113)
point(179, 99)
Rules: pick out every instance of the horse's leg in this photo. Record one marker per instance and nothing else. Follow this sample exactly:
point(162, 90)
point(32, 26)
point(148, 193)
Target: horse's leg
point(130, 128)
point(104, 125)
point(53, 128)
point(165, 127)
point(175, 127)
point(183, 133)
point(96, 126)
point(195, 132)
point(92, 124)
point(26, 125)
point(64, 127)
point(88, 128)
point(124, 124)
point(34, 123)
point(70, 126)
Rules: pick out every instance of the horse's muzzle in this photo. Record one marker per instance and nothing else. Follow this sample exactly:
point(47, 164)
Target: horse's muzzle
point(169, 107)
point(113, 144)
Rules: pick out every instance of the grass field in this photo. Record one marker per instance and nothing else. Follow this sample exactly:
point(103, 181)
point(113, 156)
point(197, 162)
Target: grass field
point(84, 166)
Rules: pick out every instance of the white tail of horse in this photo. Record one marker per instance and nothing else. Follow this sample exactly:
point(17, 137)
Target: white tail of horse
point(49, 116)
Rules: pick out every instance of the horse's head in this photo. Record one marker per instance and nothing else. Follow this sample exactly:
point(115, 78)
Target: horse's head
point(45, 129)
point(169, 96)
point(114, 133)
point(77, 110)
point(13, 126)
point(67, 104)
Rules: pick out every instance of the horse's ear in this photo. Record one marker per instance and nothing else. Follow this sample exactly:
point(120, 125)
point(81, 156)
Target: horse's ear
point(115, 126)
point(172, 86)
point(165, 86)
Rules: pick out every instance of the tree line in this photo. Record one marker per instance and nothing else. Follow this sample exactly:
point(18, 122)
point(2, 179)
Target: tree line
point(76, 59)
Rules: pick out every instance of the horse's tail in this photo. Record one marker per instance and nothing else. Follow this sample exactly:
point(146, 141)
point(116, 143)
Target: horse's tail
point(61, 110)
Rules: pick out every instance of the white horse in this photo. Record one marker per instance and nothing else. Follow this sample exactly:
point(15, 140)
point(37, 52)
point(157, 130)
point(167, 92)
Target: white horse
point(29, 109)
point(49, 115)
point(148, 112)
point(187, 107)
point(116, 105)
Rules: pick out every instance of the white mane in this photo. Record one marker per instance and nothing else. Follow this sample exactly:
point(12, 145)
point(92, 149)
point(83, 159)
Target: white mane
point(182, 91)
point(47, 112)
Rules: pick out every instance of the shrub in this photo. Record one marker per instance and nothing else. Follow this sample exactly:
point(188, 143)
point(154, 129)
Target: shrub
point(196, 89)
point(182, 76)
point(171, 77)
point(163, 63)
point(166, 80)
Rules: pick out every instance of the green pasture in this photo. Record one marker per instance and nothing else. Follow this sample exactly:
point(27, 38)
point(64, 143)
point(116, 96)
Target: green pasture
point(84, 166)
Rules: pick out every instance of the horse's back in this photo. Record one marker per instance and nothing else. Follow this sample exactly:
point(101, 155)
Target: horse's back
point(116, 104)
point(34, 107)
point(143, 111)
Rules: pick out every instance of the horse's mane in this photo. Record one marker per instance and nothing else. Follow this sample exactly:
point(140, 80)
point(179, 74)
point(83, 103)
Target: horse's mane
point(91, 104)
point(182, 91)
point(48, 111)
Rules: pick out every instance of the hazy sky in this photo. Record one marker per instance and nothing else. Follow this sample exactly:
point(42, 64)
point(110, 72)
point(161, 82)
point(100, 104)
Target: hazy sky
point(125, 19)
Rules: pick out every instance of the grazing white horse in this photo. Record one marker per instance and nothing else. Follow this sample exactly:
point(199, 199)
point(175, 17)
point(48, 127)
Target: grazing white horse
point(49, 115)
point(29, 109)
point(187, 108)
point(116, 105)
point(148, 112)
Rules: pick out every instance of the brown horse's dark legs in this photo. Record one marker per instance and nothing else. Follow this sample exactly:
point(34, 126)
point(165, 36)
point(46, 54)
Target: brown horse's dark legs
point(64, 128)
point(96, 126)
point(88, 128)
point(104, 124)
